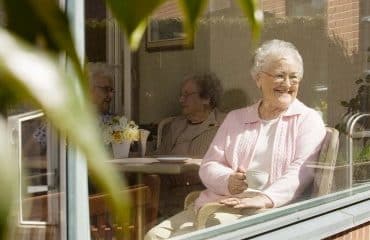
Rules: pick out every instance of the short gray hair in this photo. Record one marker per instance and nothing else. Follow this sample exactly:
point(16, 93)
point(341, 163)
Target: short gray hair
point(209, 87)
point(273, 49)
point(100, 69)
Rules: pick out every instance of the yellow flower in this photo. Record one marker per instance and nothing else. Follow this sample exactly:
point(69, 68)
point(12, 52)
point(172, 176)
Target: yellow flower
point(117, 136)
point(119, 129)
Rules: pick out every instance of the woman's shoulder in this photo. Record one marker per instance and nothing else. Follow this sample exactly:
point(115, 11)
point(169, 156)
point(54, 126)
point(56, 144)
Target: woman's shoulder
point(299, 108)
point(241, 115)
point(309, 116)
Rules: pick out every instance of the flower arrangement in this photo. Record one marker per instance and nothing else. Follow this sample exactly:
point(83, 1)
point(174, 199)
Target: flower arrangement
point(119, 129)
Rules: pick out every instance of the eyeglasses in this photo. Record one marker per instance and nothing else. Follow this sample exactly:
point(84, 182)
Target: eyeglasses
point(186, 95)
point(106, 89)
point(280, 77)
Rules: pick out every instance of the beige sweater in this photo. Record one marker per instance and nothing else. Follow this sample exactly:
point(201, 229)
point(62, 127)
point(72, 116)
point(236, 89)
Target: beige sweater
point(182, 138)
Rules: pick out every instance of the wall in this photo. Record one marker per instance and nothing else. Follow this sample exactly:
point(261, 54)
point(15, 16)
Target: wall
point(343, 21)
point(223, 46)
point(161, 73)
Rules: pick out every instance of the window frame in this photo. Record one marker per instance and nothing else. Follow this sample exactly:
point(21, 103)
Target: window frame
point(279, 218)
point(56, 161)
point(288, 216)
point(15, 123)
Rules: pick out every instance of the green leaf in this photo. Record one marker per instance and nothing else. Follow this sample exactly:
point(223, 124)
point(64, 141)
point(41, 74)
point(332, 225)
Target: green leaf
point(21, 20)
point(132, 16)
point(38, 75)
point(344, 104)
point(47, 26)
point(254, 15)
point(192, 10)
point(57, 26)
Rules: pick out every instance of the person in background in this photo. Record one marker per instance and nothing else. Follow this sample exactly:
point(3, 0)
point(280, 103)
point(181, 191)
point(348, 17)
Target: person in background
point(101, 91)
point(276, 135)
point(192, 132)
point(190, 135)
point(101, 77)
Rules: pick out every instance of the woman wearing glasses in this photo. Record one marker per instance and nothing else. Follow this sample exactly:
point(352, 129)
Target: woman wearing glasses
point(190, 135)
point(277, 135)
point(101, 77)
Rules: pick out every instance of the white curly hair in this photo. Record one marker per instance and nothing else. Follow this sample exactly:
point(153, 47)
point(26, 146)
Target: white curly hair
point(100, 69)
point(271, 50)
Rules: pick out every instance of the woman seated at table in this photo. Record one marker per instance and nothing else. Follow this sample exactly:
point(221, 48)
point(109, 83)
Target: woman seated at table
point(277, 135)
point(192, 132)
point(190, 135)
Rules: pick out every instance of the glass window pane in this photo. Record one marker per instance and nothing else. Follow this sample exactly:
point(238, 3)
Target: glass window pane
point(332, 38)
point(40, 191)
point(329, 37)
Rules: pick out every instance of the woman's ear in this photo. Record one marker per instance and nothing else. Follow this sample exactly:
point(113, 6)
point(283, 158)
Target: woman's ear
point(206, 101)
point(258, 80)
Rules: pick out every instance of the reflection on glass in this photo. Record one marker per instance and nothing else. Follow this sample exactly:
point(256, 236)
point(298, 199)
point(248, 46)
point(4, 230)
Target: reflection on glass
point(164, 29)
point(39, 177)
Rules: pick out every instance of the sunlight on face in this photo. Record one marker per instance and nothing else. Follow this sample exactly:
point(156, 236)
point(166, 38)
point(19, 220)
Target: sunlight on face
point(101, 94)
point(279, 82)
point(190, 100)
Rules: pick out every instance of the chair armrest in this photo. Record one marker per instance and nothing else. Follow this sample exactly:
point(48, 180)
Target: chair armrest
point(190, 198)
point(206, 211)
point(210, 208)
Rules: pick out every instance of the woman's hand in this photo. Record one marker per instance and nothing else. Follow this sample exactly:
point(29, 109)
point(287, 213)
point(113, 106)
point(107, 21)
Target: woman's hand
point(236, 182)
point(257, 202)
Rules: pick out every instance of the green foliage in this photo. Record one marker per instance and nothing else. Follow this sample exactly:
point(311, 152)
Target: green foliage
point(359, 103)
point(30, 69)
point(364, 155)
point(44, 24)
point(192, 10)
point(254, 15)
point(132, 16)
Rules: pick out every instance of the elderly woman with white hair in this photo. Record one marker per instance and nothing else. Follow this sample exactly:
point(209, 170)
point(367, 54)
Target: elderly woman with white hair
point(277, 135)
point(101, 77)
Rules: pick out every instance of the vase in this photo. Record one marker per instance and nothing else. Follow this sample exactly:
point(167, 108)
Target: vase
point(121, 150)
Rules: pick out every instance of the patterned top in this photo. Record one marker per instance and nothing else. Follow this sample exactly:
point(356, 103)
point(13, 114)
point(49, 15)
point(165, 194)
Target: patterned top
point(299, 135)
point(40, 133)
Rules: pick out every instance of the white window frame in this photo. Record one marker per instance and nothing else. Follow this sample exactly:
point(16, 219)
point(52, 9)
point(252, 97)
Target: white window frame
point(119, 55)
point(312, 214)
point(54, 151)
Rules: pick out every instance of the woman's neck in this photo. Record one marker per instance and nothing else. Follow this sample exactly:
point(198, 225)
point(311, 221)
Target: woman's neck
point(198, 117)
point(268, 111)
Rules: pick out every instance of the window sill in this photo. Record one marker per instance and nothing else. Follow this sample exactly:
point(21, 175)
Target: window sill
point(316, 218)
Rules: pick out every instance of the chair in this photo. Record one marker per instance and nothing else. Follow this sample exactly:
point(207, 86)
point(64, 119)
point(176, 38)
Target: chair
point(324, 172)
point(322, 184)
point(144, 206)
point(102, 222)
point(42, 208)
point(153, 182)
point(161, 129)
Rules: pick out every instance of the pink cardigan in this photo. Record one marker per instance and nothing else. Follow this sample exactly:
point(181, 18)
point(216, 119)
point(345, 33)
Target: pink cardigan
point(299, 134)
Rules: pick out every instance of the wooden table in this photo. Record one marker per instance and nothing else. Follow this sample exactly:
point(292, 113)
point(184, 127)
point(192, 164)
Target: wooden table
point(142, 167)
point(153, 166)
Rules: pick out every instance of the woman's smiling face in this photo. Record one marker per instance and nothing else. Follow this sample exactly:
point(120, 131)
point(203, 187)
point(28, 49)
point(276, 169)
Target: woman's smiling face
point(279, 82)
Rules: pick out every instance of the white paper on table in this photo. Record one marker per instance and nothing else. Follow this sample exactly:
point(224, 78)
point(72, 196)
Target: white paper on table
point(143, 140)
point(134, 160)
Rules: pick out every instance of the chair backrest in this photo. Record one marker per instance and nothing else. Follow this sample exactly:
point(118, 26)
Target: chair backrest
point(102, 222)
point(324, 170)
point(42, 208)
point(161, 127)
